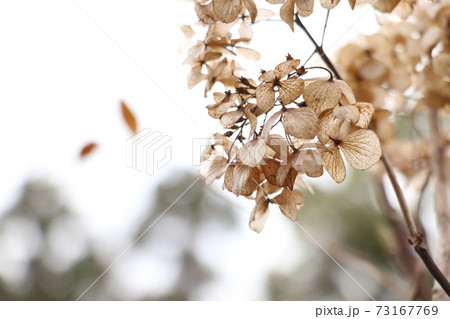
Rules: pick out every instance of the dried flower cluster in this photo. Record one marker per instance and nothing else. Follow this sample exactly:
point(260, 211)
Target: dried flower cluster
point(282, 126)
point(403, 69)
point(296, 127)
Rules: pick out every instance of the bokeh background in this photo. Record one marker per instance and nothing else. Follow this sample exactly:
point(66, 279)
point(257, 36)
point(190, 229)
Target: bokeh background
point(94, 229)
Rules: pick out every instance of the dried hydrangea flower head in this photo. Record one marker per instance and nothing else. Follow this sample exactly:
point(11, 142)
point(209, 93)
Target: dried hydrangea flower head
point(282, 127)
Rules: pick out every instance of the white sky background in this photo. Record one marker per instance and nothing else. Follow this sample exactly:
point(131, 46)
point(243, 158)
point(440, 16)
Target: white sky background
point(61, 82)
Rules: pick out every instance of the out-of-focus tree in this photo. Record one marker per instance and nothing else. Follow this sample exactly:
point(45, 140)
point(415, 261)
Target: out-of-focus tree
point(48, 255)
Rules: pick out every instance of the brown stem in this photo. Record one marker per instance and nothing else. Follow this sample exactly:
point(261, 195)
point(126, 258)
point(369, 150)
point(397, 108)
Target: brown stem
point(319, 48)
point(416, 239)
point(441, 204)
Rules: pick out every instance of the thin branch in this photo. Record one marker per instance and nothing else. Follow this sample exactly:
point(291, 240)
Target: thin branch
point(416, 238)
point(324, 28)
point(319, 48)
point(441, 203)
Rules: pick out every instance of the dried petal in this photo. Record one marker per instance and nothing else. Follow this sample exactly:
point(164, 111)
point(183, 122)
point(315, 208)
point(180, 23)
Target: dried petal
point(264, 14)
point(205, 13)
point(245, 180)
point(329, 4)
point(361, 149)
point(290, 90)
point(352, 3)
point(279, 145)
point(88, 149)
point(301, 122)
point(219, 109)
point(129, 118)
point(251, 8)
point(187, 31)
point(385, 6)
point(366, 111)
point(322, 95)
point(287, 204)
point(213, 168)
point(252, 152)
point(328, 127)
point(349, 113)
point(334, 165)
point(269, 124)
point(227, 10)
point(265, 96)
point(229, 119)
point(259, 215)
point(307, 161)
point(286, 67)
point(305, 7)
point(248, 53)
point(287, 13)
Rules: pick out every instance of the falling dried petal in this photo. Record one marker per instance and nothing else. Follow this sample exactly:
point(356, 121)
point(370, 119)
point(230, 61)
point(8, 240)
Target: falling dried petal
point(301, 122)
point(87, 149)
point(334, 165)
point(361, 149)
point(290, 90)
point(287, 204)
point(305, 7)
point(129, 118)
point(265, 96)
point(287, 13)
point(259, 215)
point(227, 10)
